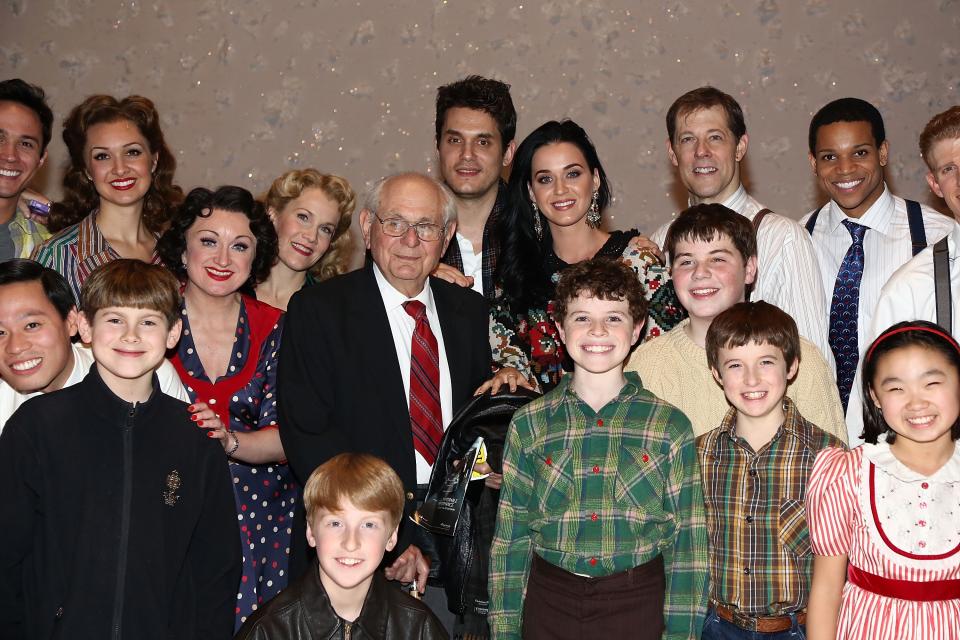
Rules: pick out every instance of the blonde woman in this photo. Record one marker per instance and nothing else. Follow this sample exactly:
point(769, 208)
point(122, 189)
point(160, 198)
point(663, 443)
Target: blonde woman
point(311, 212)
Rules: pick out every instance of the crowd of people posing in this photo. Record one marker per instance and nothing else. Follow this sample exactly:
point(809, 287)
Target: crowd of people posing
point(210, 427)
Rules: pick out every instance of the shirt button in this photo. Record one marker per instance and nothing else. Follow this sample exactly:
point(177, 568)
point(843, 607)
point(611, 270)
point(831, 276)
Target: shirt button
point(599, 422)
point(549, 461)
point(746, 571)
point(409, 495)
point(59, 612)
point(749, 518)
point(593, 562)
point(925, 485)
point(596, 469)
point(593, 517)
point(753, 473)
point(645, 458)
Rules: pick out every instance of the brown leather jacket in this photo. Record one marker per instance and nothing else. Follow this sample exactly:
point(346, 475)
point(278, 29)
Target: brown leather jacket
point(302, 611)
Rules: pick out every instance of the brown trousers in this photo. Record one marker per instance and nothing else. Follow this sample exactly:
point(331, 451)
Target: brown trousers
point(560, 605)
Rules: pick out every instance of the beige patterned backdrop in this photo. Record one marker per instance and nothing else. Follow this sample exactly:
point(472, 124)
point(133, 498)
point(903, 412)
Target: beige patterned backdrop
point(249, 88)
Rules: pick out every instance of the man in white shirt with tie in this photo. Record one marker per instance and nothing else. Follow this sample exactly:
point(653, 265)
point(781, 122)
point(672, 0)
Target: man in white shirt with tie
point(706, 140)
point(864, 233)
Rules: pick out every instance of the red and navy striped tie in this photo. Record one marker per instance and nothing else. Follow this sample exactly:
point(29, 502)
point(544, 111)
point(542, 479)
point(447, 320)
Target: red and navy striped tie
point(426, 418)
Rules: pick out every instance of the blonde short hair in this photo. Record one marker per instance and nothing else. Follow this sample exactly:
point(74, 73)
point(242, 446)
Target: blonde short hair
point(290, 185)
point(363, 479)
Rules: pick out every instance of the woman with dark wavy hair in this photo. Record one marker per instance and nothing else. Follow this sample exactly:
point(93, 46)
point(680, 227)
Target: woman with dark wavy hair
point(219, 242)
point(118, 189)
point(311, 212)
point(557, 194)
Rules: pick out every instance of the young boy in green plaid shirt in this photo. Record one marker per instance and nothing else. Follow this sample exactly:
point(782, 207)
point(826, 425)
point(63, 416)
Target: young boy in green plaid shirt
point(755, 468)
point(601, 529)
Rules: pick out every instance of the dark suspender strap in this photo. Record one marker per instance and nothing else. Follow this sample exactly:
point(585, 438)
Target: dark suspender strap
point(918, 235)
point(757, 219)
point(941, 280)
point(812, 222)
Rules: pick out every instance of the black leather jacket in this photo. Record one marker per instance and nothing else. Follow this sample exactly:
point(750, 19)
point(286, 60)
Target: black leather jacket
point(302, 611)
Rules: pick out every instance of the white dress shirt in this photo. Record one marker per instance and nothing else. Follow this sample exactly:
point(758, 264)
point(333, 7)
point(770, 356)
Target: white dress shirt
point(10, 399)
point(472, 262)
point(788, 271)
point(402, 326)
point(909, 294)
point(886, 247)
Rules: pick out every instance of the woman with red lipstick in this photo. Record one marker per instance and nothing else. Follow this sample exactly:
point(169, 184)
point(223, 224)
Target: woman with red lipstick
point(218, 242)
point(118, 189)
point(557, 193)
point(311, 212)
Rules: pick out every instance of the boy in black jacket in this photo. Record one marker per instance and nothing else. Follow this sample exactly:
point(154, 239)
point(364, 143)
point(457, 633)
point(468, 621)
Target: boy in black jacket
point(118, 514)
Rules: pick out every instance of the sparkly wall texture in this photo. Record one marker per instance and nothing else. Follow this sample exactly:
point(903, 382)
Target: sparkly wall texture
point(249, 88)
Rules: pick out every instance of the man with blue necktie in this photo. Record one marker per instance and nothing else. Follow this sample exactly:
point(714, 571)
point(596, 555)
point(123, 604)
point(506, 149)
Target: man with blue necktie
point(864, 233)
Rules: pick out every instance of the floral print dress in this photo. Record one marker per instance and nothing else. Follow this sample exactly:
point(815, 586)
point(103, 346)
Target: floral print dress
point(530, 342)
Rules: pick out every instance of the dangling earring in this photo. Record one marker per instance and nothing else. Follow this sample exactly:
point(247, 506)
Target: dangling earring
point(593, 216)
point(537, 225)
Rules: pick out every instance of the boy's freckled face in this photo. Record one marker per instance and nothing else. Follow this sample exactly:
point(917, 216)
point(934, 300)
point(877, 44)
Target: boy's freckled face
point(944, 179)
point(710, 277)
point(350, 544)
point(598, 334)
point(34, 339)
point(754, 377)
point(128, 343)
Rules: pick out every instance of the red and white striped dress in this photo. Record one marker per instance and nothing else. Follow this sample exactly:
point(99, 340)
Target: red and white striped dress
point(894, 523)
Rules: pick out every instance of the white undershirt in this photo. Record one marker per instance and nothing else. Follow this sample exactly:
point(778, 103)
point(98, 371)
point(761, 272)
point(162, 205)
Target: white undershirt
point(402, 326)
point(472, 262)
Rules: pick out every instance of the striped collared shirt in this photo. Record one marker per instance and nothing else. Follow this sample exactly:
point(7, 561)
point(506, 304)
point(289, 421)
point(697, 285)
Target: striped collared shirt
point(596, 493)
point(77, 250)
point(760, 559)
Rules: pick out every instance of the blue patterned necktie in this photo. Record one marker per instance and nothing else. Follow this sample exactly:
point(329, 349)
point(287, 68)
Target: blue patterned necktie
point(844, 312)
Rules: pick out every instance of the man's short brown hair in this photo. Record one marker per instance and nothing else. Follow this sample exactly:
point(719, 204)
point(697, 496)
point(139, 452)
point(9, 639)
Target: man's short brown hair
point(943, 126)
point(705, 222)
point(757, 322)
point(131, 283)
point(602, 278)
point(706, 98)
point(365, 480)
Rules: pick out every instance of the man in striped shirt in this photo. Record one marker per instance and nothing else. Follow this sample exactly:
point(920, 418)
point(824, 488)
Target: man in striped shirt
point(601, 528)
point(706, 141)
point(755, 467)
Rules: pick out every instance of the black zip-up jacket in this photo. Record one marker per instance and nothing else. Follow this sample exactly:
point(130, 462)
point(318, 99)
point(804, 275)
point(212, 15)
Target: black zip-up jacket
point(116, 520)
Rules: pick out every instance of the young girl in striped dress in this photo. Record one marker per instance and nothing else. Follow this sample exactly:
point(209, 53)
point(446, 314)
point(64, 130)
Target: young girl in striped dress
point(885, 517)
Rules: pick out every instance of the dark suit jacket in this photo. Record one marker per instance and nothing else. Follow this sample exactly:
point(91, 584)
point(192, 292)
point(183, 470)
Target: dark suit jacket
point(341, 382)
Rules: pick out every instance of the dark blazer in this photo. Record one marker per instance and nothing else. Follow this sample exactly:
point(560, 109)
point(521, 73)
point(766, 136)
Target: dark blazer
point(341, 384)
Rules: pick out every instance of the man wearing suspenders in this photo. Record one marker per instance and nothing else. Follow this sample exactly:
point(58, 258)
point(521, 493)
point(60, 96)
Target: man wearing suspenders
point(707, 139)
point(864, 233)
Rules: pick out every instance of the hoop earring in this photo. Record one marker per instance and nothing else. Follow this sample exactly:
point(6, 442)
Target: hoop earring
point(537, 225)
point(593, 216)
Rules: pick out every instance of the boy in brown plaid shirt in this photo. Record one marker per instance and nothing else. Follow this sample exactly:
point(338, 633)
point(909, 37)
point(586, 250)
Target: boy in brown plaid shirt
point(755, 467)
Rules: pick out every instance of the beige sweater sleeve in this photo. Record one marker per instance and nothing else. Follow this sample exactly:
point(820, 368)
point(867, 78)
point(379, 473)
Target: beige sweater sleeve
point(815, 393)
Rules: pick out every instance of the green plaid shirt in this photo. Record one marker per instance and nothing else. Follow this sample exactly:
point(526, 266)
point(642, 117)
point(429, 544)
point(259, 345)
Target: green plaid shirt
point(760, 559)
point(596, 493)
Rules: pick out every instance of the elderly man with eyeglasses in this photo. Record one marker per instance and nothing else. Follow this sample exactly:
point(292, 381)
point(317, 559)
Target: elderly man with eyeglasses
point(378, 360)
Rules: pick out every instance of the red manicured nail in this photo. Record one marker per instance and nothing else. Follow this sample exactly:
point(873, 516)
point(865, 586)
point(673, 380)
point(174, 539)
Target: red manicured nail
point(193, 417)
point(209, 434)
point(199, 423)
point(190, 408)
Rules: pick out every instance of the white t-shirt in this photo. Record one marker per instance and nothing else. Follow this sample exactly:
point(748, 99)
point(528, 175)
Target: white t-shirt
point(472, 262)
point(10, 399)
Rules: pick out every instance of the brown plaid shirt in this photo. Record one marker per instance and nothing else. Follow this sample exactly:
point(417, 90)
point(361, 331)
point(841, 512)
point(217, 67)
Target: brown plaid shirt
point(760, 557)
